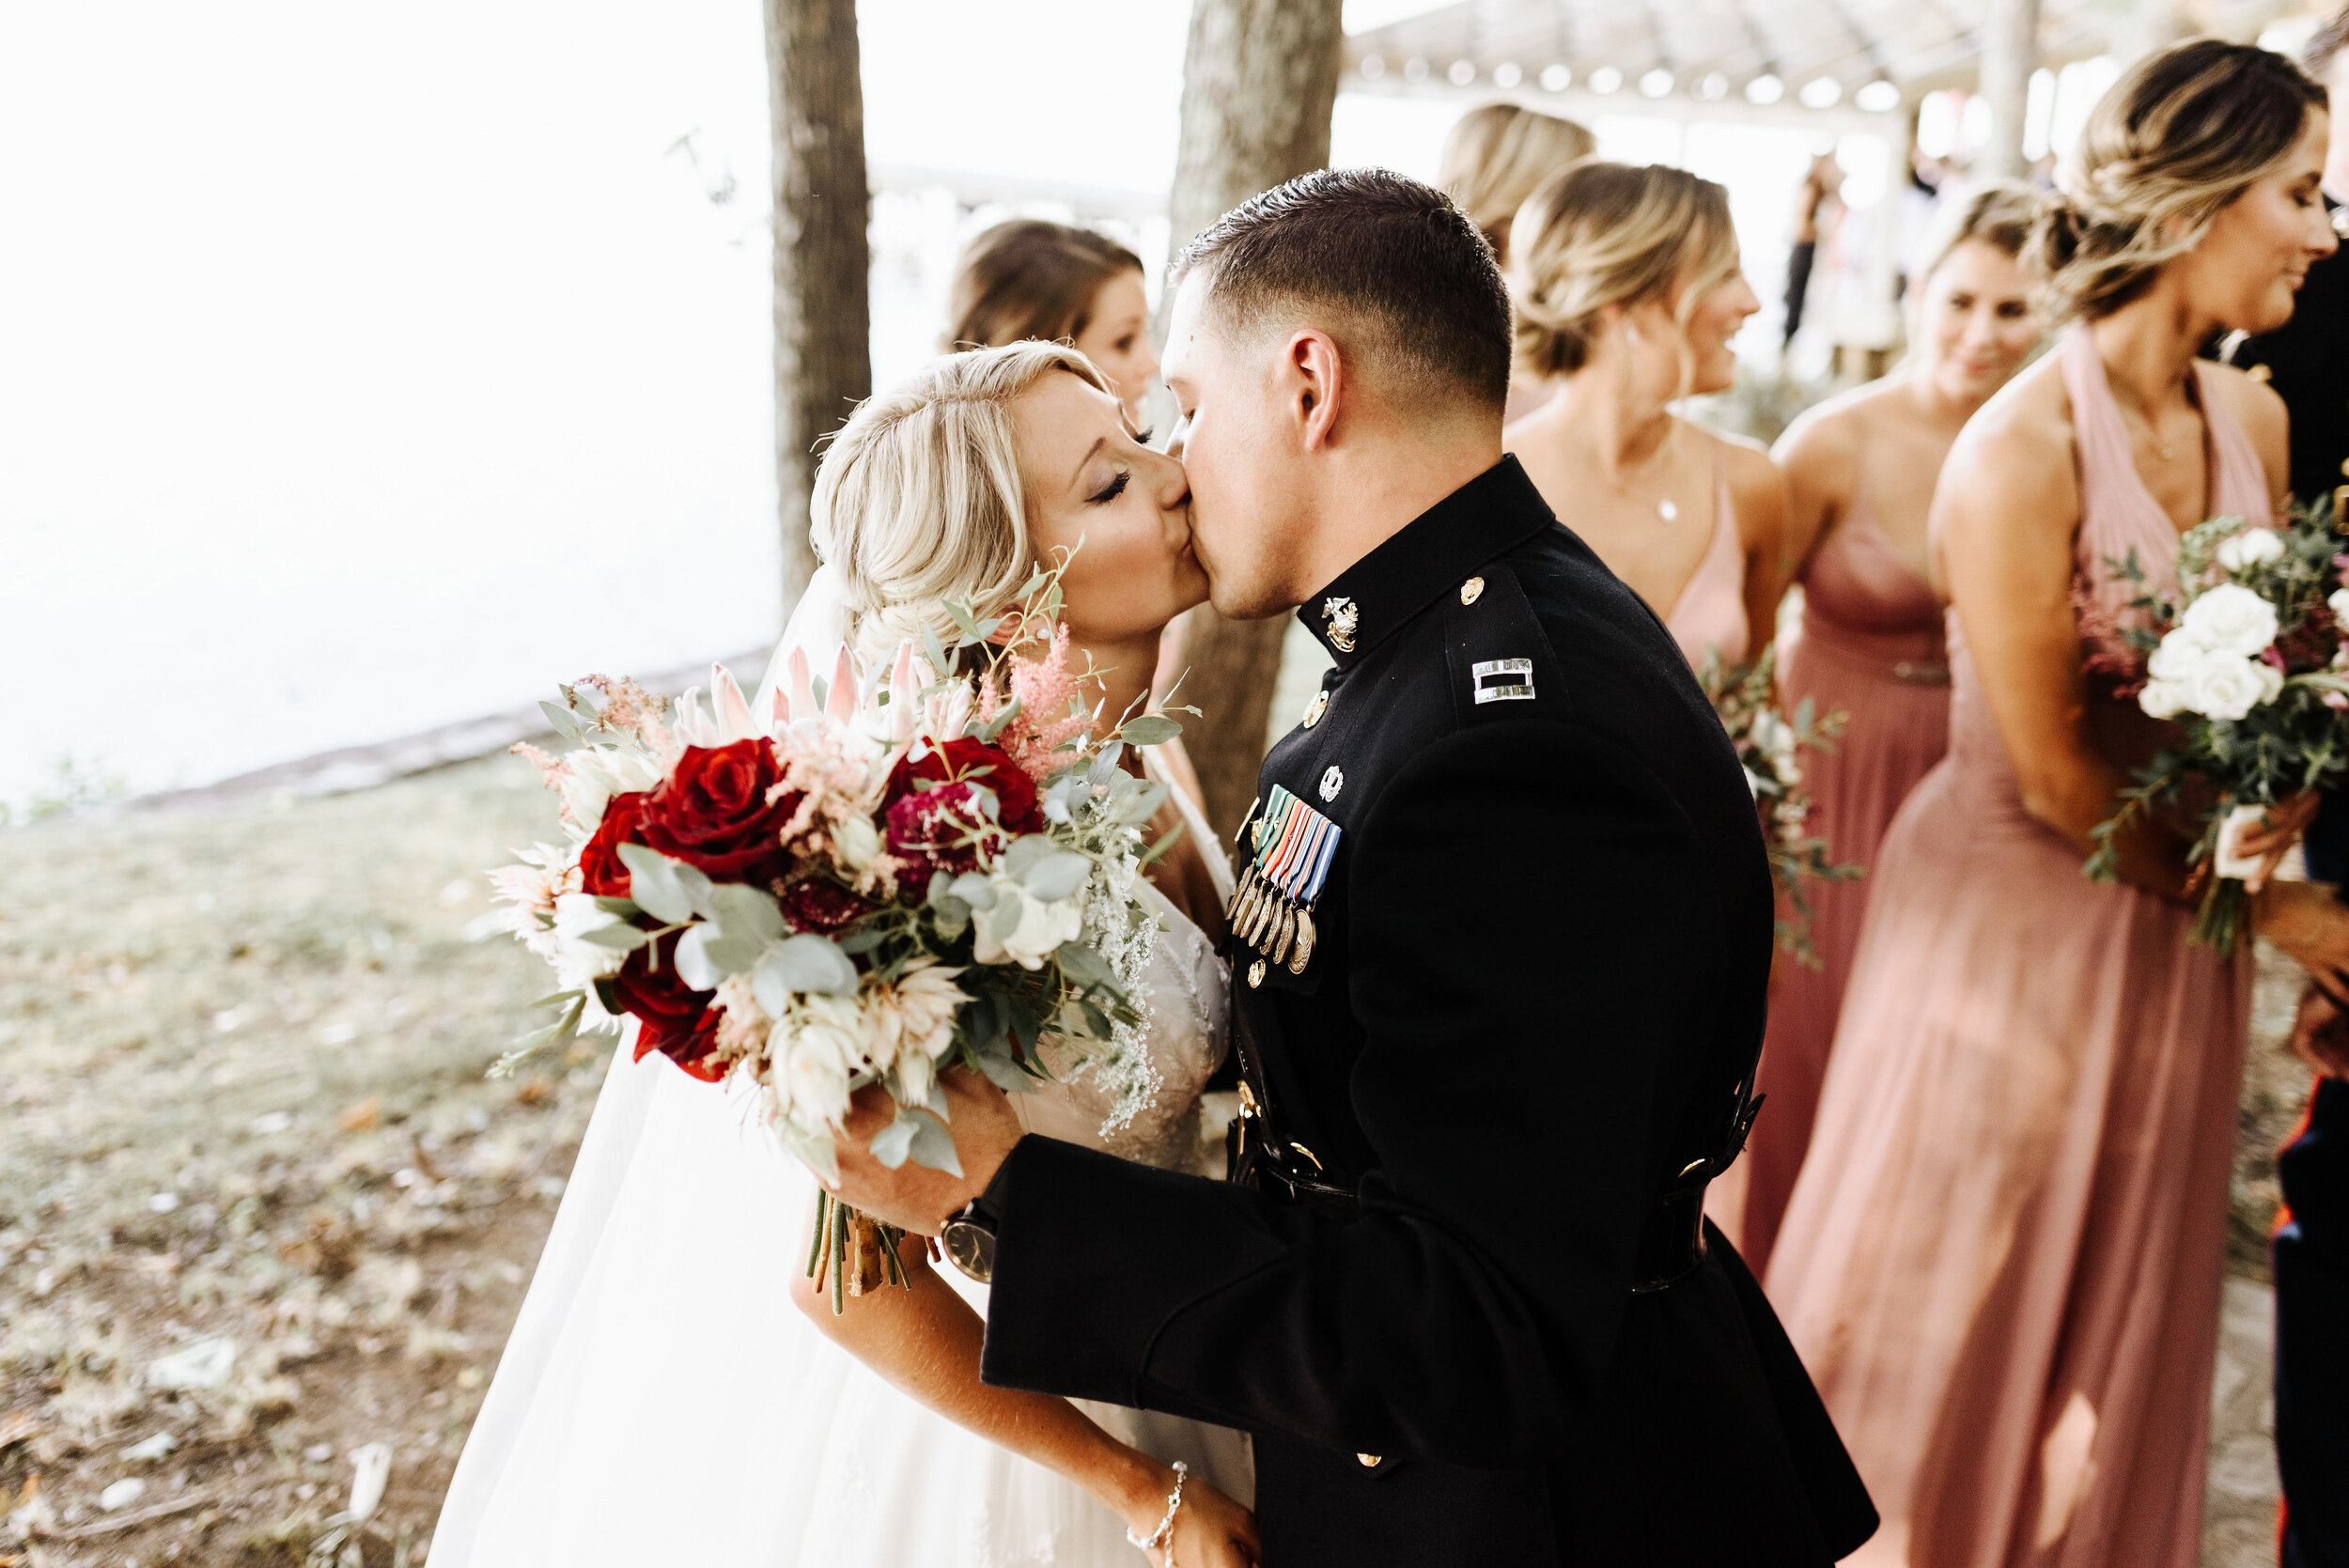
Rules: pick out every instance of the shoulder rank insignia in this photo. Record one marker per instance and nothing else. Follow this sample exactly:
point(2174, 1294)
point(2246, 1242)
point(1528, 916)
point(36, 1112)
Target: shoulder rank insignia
point(1343, 617)
point(1271, 908)
point(1502, 680)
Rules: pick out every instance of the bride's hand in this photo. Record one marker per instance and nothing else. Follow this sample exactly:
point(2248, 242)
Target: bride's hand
point(1210, 1529)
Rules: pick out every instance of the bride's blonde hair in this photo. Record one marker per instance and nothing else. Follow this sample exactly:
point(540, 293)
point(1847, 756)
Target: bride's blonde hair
point(919, 501)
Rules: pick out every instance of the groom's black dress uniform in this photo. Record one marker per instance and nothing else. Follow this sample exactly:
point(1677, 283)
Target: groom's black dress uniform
point(1544, 944)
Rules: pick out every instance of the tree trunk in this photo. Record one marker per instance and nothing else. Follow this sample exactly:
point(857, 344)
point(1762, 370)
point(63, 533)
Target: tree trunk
point(2010, 53)
point(1259, 78)
point(822, 207)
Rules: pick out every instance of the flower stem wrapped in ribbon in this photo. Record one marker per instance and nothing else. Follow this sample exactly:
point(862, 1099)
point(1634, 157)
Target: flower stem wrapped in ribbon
point(2251, 669)
point(861, 879)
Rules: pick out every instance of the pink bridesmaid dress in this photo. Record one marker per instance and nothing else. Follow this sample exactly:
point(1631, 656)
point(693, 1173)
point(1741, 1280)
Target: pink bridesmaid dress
point(1709, 616)
point(2001, 1260)
point(1869, 647)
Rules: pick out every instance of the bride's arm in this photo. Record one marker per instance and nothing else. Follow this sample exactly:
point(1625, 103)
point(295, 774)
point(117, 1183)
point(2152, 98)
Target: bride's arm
point(926, 1343)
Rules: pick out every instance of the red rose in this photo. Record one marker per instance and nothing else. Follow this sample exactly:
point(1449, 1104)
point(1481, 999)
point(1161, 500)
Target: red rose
point(975, 762)
point(674, 1021)
point(600, 869)
point(816, 905)
point(712, 812)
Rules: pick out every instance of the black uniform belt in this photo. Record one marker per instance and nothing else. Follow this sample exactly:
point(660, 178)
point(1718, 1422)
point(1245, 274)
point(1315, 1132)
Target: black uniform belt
point(1672, 1236)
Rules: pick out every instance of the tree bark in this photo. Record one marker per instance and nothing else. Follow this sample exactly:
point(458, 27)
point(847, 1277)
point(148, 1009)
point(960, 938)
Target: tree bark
point(1259, 79)
point(2010, 53)
point(821, 207)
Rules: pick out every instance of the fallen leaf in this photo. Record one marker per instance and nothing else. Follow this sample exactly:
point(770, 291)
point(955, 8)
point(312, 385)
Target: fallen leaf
point(20, 1426)
point(360, 1117)
point(531, 1091)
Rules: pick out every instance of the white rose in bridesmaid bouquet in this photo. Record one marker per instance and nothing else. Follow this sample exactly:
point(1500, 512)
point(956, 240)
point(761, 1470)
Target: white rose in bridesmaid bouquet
point(2339, 605)
point(2231, 619)
point(2163, 699)
point(2254, 547)
point(2230, 687)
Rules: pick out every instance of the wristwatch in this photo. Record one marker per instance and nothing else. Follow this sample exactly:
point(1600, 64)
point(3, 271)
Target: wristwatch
point(969, 1240)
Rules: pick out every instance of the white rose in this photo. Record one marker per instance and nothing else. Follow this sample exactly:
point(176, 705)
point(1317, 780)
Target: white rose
point(1033, 929)
point(2177, 657)
point(2254, 547)
point(2163, 699)
point(2339, 605)
point(2230, 618)
point(2230, 689)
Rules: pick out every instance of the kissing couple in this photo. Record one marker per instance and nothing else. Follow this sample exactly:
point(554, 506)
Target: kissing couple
point(1494, 976)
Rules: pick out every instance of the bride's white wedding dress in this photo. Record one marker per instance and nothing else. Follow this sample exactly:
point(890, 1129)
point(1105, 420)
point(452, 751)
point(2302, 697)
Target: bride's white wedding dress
point(663, 1400)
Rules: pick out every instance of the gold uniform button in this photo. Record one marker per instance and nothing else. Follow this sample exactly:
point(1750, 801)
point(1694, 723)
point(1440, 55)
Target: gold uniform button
point(1369, 1461)
point(1315, 709)
point(2260, 373)
point(1471, 590)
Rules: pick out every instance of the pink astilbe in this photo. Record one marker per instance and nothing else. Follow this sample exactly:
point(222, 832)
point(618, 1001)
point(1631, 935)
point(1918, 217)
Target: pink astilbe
point(1044, 687)
point(629, 710)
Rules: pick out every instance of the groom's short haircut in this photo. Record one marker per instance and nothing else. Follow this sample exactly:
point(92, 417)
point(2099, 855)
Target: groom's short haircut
point(1396, 262)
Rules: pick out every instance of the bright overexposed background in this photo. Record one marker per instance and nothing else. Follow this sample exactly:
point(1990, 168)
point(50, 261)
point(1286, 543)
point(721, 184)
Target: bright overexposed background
point(369, 368)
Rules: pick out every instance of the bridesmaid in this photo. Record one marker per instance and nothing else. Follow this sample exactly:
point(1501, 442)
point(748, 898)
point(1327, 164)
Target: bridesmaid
point(1628, 291)
point(1860, 475)
point(2001, 1260)
point(1057, 282)
point(1493, 157)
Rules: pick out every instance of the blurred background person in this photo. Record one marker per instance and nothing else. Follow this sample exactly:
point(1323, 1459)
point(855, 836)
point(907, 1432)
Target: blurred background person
point(1031, 278)
point(1493, 157)
point(2002, 1258)
point(1859, 475)
point(2306, 362)
point(1818, 211)
point(1628, 291)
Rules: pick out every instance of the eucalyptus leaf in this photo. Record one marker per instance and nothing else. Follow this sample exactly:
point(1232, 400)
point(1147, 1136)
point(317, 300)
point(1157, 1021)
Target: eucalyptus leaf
point(1056, 876)
point(654, 881)
point(819, 688)
point(935, 652)
point(625, 907)
point(1081, 964)
point(1095, 1019)
point(941, 887)
point(995, 725)
point(965, 621)
point(973, 889)
point(933, 1146)
point(1006, 916)
point(558, 998)
point(894, 1141)
point(619, 938)
point(1141, 805)
point(561, 719)
point(748, 913)
point(1149, 729)
point(861, 941)
point(1004, 1071)
point(1026, 851)
point(804, 963)
point(1104, 767)
point(708, 953)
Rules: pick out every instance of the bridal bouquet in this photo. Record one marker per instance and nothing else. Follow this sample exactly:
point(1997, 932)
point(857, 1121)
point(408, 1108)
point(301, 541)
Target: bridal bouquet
point(1769, 744)
point(865, 879)
point(2253, 668)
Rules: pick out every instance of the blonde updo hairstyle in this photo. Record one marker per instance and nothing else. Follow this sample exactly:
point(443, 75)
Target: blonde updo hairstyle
point(919, 500)
point(1603, 233)
point(1495, 156)
point(2176, 138)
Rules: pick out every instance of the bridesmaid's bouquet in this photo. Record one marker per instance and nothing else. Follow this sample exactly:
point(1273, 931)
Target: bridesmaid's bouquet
point(2253, 668)
point(861, 879)
point(1770, 743)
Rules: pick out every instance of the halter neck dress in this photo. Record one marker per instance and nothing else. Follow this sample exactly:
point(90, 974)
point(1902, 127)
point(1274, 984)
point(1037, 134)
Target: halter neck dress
point(2002, 1259)
point(1870, 647)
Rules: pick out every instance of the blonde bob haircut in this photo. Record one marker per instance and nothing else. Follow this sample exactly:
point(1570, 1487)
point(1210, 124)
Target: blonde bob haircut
point(919, 500)
point(2181, 134)
point(1494, 157)
point(1604, 234)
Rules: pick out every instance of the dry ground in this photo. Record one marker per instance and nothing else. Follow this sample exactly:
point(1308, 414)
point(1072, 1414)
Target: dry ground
point(241, 1098)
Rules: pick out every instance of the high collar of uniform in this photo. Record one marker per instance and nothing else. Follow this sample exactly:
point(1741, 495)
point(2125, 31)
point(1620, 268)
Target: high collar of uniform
point(1429, 557)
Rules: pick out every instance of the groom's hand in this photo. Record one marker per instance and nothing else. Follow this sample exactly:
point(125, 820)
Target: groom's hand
point(914, 1197)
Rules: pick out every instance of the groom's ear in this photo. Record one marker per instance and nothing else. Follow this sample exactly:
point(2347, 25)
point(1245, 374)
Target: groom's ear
point(1315, 372)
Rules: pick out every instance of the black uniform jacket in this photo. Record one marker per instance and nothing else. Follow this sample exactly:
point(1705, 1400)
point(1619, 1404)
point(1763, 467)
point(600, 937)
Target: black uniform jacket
point(1545, 948)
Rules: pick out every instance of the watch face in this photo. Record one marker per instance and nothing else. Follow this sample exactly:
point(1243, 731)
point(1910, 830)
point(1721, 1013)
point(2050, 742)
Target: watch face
point(972, 1249)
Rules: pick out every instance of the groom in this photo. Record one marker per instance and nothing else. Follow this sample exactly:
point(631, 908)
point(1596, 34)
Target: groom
point(1462, 1293)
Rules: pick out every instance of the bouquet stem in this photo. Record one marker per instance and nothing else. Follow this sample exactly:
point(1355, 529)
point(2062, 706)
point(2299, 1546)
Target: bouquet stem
point(2221, 916)
point(852, 1252)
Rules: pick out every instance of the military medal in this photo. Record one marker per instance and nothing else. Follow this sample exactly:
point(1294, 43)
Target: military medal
point(1293, 847)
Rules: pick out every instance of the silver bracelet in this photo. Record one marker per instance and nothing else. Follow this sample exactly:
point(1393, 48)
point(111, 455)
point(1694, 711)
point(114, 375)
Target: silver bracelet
point(1165, 1532)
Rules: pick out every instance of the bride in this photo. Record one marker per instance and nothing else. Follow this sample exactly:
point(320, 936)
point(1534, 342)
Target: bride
point(627, 1416)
